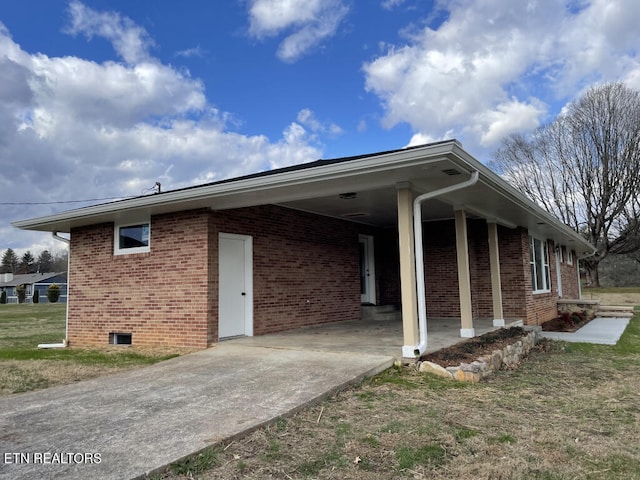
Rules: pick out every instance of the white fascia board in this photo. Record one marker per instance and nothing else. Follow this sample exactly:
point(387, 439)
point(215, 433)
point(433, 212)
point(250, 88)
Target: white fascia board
point(369, 164)
point(502, 187)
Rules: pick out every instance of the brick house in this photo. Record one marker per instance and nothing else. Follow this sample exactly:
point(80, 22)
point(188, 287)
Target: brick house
point(310, 244)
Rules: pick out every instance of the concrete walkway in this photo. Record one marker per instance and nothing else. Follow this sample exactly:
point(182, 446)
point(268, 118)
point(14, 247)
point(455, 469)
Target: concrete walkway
point(604, 331)
point(142, 420)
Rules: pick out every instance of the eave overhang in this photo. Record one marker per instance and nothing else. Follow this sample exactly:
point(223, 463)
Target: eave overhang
point(316, 187)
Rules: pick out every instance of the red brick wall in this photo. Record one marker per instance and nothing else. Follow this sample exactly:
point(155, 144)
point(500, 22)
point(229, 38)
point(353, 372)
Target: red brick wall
point(569, 279)
point(306, 267)
point(514, 272)
point(479, 269)
point(518, 301)
point(440, 265)
point(541, 306)
point(161, 297)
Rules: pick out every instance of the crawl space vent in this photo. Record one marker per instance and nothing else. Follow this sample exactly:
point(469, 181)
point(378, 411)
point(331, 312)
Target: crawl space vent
point(120, 338)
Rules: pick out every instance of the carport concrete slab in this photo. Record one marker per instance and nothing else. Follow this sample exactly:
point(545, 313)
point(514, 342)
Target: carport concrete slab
point(379, 337)
point(142, 420)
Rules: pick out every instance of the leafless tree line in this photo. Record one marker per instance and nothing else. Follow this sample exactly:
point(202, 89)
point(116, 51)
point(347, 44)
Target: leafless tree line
point(584, 167)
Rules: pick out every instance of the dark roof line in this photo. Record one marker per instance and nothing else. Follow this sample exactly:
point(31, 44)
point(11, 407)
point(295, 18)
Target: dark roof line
point(291, 168)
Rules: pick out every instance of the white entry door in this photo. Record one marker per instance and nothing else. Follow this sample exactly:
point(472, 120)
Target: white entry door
point(235, 292)
point(367, 271)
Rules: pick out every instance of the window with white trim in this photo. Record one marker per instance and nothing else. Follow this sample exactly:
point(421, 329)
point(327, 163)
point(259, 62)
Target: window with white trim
point(569, 256)
point(132, 238)
point(539, 261)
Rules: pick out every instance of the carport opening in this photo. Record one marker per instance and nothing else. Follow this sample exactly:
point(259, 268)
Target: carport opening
point(120, 338)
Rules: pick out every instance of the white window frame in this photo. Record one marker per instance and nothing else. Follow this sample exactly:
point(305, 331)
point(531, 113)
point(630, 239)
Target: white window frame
point(126, 251)
point(569, 257)
point(539, 258)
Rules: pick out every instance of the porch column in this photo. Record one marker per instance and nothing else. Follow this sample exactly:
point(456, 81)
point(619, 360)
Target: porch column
point(496, 284)
point(464, 279)
point(407, 266)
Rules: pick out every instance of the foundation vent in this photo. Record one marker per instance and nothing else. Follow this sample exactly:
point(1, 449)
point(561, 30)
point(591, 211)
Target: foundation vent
point(120, 338)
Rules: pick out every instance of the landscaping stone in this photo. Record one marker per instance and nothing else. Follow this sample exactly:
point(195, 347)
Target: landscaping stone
point(435, 369)
point(510, 356)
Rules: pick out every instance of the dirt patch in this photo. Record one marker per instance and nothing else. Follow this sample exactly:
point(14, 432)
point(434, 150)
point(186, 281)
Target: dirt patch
point(153, 352)
point(469, 350)
point(565, 323)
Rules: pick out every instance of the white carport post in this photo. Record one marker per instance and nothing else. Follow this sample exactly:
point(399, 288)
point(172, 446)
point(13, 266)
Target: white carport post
point(407, 269)
point(464, 278)
point(496, 284)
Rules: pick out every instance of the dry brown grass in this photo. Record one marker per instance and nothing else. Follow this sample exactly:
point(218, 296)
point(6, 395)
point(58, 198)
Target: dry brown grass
point(24, 367)
point(629, 296)
point(563, 414)
point(17, 376)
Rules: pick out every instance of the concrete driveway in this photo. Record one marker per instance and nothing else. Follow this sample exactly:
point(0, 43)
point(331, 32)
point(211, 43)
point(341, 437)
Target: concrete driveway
point(137, 422)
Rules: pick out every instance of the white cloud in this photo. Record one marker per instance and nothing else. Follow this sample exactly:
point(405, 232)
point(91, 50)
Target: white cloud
point(305, 23)
point(129, 40)
point(391, 4)
point(191, 52)
point(506, 118)
point(495, 66)
point(307, 118)
point(76, 129)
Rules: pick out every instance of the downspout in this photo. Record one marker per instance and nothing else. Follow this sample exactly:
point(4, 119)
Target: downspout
point(65, 341)
point(409, 351)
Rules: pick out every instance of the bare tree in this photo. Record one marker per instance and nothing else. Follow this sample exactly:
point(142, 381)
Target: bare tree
point(584, 167)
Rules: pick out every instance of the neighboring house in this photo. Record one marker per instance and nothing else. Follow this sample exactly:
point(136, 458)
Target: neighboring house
point(39, 282)
point(310, 244)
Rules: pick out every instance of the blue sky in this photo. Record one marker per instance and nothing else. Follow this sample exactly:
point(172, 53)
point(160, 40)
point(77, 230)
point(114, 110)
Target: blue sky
point(103, 98)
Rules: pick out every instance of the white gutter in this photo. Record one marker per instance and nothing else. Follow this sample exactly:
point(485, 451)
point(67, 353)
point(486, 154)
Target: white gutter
point(65, 341)
point(409, 351)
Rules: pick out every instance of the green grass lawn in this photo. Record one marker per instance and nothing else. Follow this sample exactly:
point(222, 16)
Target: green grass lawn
point(24, 367)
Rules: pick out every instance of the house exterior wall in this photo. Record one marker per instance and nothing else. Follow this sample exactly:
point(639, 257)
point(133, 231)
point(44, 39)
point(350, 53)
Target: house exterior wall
point(305, 272)
point(569, 275)
point(440, 269)
point(306, 267)
point(387, 262)
point(519, 301)
point(161, 297)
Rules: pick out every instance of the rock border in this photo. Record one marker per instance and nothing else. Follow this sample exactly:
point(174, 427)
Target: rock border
point(509, 357)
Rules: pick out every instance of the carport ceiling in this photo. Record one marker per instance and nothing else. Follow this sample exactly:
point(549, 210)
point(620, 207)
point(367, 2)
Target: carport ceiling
point(372, 207)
